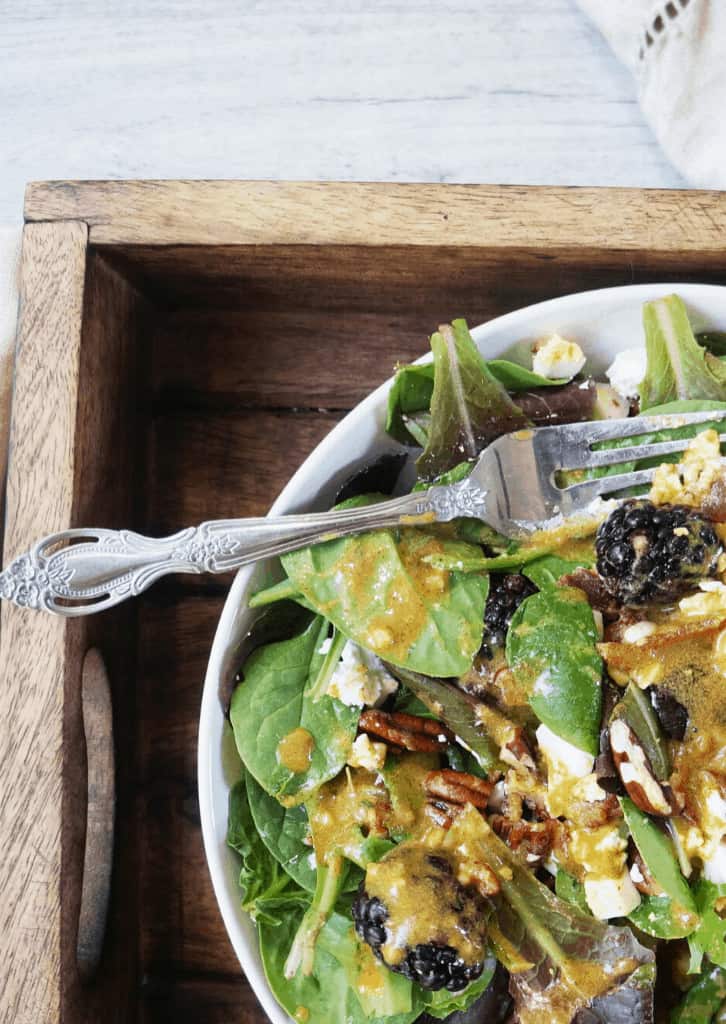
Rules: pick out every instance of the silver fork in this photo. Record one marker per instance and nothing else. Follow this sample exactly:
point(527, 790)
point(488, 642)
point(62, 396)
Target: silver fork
point(513, 487)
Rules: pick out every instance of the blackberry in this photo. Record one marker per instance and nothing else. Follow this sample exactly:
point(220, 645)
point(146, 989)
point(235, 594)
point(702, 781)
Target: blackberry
point(507, 590)
point(652, 553)
point(423, 899)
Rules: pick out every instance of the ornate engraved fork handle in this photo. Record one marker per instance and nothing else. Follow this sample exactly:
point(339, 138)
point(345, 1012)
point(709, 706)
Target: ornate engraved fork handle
point(78, 572)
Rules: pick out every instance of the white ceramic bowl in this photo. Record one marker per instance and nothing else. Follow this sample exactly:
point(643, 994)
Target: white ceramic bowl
point(604, 322)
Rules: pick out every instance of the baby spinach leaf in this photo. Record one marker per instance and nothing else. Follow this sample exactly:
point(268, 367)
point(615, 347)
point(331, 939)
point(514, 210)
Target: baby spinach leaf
point(551, 648)
point(469, 407)
point(703, 1000)
point(658, 916)
point(710, 936)
point(515, 377)
point(378, 590)
point(410, 393)
point(678, 367)
point(282, 591)
point(272, 703)
point(548, 569)
point(266, 887)
point(329, 994)
point(283, 830)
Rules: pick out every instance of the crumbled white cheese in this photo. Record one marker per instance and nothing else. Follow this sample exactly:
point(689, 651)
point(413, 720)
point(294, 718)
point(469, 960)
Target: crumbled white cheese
point(556, 358)
point(611, 897)
point(638, 632)
point(714, 867)
point(325, 645)
point(627, 371)
point(366, 753)
point(360, 679)
point(573, 761)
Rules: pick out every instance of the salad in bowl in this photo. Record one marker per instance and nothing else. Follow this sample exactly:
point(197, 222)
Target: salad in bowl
point(485, 780)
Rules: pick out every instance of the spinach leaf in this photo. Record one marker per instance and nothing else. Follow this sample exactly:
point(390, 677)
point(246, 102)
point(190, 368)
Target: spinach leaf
point(710, 936)
point(410, 393)
point(267, 890)
point(673, 915)
point(551, 649)
point(469, 407)
point(281, 591)
point(546, 570)
point(378, 590)
point(542, 937)
point(271, 704)
point(515, 377)
point(456, 709)
point(703, 1000)
point(283, 830)
point(329, 993)
point(678, 367)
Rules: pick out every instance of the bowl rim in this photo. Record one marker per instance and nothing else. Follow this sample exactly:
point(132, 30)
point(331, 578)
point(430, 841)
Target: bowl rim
point(209, 750)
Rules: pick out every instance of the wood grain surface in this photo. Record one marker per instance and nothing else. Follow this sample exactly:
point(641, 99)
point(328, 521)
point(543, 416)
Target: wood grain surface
point(162, 384)
point(334, 213)
point(35, 647)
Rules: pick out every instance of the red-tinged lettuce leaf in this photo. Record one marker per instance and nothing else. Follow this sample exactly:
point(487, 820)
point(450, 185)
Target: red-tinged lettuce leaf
point(562, 960)
point(469, 407)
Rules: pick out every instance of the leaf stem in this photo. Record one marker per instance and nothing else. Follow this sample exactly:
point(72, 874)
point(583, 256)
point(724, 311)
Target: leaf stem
point(302, 952)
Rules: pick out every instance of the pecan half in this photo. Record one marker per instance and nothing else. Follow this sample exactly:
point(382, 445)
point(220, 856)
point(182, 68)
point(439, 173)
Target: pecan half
point(410, 732)
point(636, 771)
point(458, 787)
point(533, 838)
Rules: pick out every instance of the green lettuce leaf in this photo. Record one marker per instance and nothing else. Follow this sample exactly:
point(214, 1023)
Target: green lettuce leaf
point(410, 394)
point(678, 367)
point(710, 936)
point(704, 1000)
point(544, 939)
point(469, 407)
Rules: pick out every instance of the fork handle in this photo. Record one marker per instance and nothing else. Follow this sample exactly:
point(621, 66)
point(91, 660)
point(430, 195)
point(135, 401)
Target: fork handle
point(81, 571)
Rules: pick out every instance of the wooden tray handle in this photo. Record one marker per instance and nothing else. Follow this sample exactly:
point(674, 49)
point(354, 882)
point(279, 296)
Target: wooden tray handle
point(98, 855)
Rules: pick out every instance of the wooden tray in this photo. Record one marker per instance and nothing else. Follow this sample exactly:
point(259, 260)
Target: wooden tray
point(182, 347)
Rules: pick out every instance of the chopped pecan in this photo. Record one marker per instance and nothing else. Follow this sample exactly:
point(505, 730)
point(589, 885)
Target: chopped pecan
point(411, 732)
point(458, 787)
point(636, 771)
point(519, 749)
point(533, 838)
point(641, 876)
point(593, 586)
point(479, 874)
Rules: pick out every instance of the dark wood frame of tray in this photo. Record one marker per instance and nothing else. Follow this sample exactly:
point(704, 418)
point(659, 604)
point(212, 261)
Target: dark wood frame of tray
point(182, 346)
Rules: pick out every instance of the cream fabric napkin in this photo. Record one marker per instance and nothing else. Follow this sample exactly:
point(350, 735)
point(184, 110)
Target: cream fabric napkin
point(675, 49)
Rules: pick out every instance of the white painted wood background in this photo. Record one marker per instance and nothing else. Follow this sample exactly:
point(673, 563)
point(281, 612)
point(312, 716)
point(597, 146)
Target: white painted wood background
point(484, 90)
point(518, 91)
